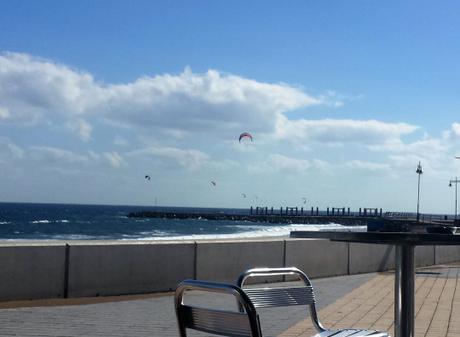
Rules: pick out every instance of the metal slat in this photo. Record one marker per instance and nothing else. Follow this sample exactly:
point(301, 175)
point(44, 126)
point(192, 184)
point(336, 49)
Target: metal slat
point(274, 297)
point(351, 333)
point(340, 333)
point(225, 323)
point(327, 333)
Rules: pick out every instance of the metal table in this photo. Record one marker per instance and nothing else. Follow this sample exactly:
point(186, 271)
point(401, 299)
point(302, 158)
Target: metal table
point(405, 243)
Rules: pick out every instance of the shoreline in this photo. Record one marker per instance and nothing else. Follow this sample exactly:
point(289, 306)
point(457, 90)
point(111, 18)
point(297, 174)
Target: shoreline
point(269, 232)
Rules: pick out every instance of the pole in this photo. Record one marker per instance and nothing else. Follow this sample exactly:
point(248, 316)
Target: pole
point(455, 181)
point(418, 199)
point(404, 291)
point(419, 172)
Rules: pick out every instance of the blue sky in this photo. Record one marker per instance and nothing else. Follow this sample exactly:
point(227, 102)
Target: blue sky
point(342, 98)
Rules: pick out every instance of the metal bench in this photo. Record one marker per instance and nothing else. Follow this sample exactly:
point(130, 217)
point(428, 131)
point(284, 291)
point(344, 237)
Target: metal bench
point(237, 323)
point(269, 297)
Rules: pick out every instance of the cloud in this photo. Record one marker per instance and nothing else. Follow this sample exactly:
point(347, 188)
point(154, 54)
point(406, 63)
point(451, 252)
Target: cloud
point(9, 151)
point(53, 155)
point(453, 133)
point(435, 154)
point(322, 165)
point(33, 89)
point(204, 102)
point(190, 159)
point(367, 166)
point(290, 165)
point(221, 105)
point(4, 113)
point(56, 157)
point(170, 110)
point(81, 128)
point(120, 141)
point(423, 147)
point(113, 158)
point(338, 131)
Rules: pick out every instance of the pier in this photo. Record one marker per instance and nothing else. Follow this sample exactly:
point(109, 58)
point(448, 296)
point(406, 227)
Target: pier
point(373, 218)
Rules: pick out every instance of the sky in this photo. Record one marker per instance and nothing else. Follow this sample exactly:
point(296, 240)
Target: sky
point(342, 98)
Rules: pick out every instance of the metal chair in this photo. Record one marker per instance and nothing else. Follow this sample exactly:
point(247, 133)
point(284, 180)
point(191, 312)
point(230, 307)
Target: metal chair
point(242, 323)
point(269, 297)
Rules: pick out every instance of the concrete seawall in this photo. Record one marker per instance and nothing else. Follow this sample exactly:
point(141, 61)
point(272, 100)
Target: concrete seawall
point(31, 270)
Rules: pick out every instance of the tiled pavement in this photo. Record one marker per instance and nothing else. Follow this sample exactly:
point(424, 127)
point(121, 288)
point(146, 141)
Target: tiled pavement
point(364, 301)
point(370, 306)
point(151, 316)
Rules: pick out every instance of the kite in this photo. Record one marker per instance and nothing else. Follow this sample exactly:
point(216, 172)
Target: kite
point(213, 183)
point(244, 195)
point(243, 135)
point(304, 200)
point(147, 177)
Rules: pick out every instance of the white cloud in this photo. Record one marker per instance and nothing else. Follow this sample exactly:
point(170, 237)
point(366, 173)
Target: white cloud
point(217, 104)
point(288, 164)
point(434, 153)
point(226, 164)
point(453, 133)
point(113, 158)
point(424, 147)
point(284, 164)
point(57, 158)
point(9, 151)
point(4, 113)
point(322, 165)
point(120, 141)
point(32, 88)
point(338, 131)
point(191, 159)
point(197, 102)
point(81, 128)
point(53, 155)
point(366, 165)
point(93, 155)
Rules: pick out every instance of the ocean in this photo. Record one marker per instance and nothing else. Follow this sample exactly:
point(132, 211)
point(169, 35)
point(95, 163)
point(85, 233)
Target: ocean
point(27, 221)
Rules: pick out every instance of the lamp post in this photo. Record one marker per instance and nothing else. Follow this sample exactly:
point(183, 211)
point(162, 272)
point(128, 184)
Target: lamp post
point(455, 181)
point(419, 172)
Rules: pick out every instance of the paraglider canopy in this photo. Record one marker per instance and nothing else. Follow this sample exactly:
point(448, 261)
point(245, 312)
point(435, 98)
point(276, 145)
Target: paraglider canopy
point(243, 135)
point(147, 177)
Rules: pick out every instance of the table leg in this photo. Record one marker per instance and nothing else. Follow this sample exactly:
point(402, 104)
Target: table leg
point(404, 291)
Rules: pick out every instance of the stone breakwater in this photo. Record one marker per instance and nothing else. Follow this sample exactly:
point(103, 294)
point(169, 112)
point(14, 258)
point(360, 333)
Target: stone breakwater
point(270, 218)
point(388, 222)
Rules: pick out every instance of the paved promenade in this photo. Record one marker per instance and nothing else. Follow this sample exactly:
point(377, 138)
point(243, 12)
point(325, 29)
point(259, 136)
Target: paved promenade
point(370, 306)
point(364, 301)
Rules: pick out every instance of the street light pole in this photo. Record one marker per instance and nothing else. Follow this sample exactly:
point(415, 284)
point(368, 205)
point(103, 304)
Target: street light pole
point(419, 172)
point(455, 181)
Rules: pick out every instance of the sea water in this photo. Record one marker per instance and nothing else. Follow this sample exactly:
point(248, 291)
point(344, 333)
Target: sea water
point(24, 221)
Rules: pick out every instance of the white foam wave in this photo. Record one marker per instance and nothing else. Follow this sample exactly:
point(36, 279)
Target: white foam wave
point(257, 232)
point(72, 237)
point(49, 221)
point(4, 222)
